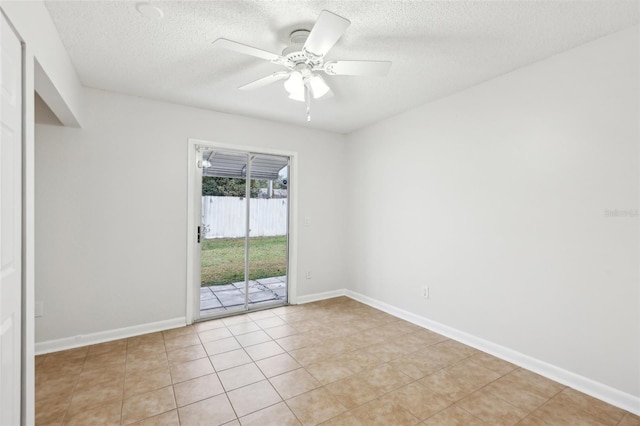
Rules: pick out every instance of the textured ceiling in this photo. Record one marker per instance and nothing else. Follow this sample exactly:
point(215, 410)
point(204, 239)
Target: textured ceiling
point(437, 48)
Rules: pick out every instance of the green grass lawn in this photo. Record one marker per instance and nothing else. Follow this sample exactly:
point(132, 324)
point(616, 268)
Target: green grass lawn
point(222, 259)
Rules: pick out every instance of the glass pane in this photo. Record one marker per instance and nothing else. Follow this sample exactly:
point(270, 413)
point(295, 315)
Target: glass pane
point(268, 230)
point(223, 231)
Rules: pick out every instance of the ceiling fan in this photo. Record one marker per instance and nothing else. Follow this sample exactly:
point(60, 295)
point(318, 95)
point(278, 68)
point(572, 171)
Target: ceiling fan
point(304, 60)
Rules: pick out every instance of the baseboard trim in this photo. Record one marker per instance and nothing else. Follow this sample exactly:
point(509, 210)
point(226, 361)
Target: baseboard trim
point(320, 296)
point(106, 336)
point(583, 384)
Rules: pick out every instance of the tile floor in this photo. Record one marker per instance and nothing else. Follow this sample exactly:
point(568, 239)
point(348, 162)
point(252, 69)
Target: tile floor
point(334, 362)
point(218, 299)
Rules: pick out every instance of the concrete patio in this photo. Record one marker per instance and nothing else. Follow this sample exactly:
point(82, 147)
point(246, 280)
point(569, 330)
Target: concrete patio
point(217, 299)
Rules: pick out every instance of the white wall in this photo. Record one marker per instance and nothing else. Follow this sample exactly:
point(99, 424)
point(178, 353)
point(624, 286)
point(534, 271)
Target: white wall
point(495, 198)
point(104, 260)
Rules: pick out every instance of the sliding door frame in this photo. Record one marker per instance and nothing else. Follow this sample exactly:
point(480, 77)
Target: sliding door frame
point(194, 190)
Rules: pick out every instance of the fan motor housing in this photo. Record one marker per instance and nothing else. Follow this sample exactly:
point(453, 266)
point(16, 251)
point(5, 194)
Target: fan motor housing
point(299, 36)
point(295, 53)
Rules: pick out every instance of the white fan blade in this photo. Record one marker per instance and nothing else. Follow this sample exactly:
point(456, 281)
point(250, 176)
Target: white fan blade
point(247, 50)
point(325, 33)
point(264, 81)
point(380, 68)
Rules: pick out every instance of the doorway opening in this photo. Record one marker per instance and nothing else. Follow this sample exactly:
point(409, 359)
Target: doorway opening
point(243, 231)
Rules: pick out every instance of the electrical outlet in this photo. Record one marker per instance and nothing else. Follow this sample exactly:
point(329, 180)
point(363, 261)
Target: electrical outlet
point(425, 292)
point(308, 275)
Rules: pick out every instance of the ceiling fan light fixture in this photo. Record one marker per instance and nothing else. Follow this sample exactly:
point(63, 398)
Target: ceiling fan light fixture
point(318, 86)
point(304, 60)
point(295, 86)
point(297, 96)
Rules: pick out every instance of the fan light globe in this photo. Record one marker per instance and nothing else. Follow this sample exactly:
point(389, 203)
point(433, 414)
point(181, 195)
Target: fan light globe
point(318, 86)
point(295, 86)
point(297, 97)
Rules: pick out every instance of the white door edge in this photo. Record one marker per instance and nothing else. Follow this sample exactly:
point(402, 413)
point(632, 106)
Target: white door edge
point(11, 212)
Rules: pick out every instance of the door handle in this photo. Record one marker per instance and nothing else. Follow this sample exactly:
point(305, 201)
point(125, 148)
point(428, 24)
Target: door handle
point(198, 234)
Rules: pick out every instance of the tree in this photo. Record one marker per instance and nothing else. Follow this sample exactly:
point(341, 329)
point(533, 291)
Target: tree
point(227, 187)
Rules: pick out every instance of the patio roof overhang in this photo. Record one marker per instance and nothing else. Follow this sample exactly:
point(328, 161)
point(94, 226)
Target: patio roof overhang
point(234, 165)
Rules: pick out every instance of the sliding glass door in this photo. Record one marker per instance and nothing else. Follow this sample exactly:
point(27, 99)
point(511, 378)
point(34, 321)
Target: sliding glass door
point(243, 233)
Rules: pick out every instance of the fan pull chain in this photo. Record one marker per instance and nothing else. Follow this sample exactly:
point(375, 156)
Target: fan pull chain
point(308, 99)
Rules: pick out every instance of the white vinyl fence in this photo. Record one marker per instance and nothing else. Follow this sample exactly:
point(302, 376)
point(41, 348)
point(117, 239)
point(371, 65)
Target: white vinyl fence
point(224, 217)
